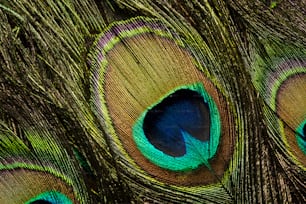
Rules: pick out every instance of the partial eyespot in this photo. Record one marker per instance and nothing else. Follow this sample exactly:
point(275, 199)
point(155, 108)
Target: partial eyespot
point(291, 106)
point(163, 116)
point(21, 185)
point(281, 78)
point(43, 174)
point(50, 197)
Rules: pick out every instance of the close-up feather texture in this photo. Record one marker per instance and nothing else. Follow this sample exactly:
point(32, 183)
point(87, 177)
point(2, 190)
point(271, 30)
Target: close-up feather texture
point(139, 101)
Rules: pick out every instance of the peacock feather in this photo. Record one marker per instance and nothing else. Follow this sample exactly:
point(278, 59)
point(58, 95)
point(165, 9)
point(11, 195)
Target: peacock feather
point(152, 101)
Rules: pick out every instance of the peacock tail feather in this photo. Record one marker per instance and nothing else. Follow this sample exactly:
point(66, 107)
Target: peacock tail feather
point(282, 88)
point(152, 101)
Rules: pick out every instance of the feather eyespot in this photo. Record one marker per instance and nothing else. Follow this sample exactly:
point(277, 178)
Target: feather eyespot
point(163, 116)
point(50, 197)
point(281, 79)
point(293, 113)
point(33, 175)
point(32, 186)
point(181, 132)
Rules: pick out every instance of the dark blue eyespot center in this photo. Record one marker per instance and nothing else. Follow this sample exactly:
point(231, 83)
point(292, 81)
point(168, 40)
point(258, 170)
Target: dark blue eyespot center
point(40, 202)
point(181, 131)
point(182, 111)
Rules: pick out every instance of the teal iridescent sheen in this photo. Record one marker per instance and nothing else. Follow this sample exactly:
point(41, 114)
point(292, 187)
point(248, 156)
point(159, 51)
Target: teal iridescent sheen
point(52, 197)
point(301, 137)
point(197, 151)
